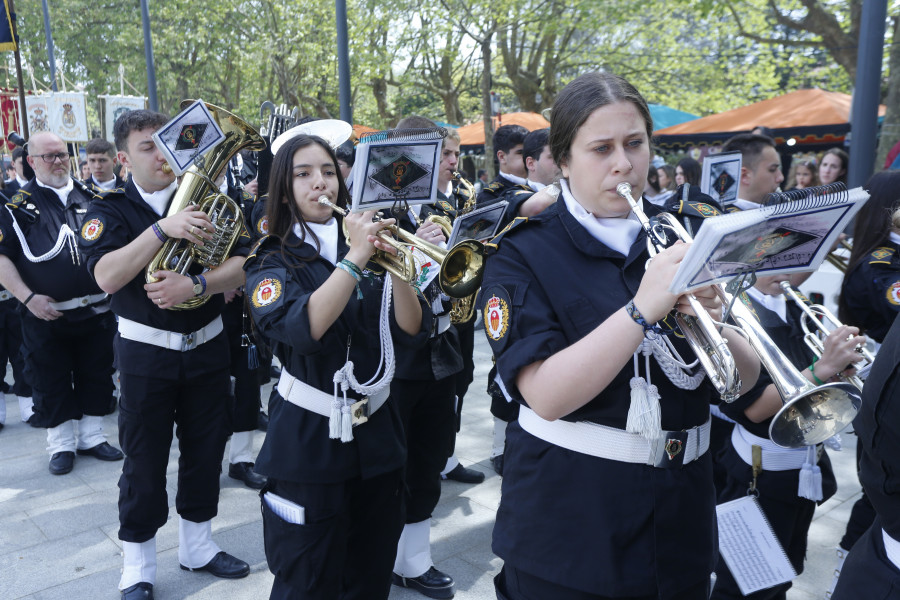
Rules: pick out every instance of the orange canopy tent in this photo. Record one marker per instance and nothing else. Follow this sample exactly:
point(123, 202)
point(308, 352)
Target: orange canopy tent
point(811, 117)
point(473, 134)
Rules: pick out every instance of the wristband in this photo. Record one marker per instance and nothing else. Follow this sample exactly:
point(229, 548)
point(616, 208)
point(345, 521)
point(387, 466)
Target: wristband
point(203, 283)
point(812, 370)
point(638, 318)
point(349, 270)
point(28, 299)
point(356, 270)
point(158, 231)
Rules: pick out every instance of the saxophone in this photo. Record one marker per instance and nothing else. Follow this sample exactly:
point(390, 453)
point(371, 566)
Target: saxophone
point(464, 308)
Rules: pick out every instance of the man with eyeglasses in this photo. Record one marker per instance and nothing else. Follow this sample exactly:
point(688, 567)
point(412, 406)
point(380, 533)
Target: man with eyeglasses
point(68, 328)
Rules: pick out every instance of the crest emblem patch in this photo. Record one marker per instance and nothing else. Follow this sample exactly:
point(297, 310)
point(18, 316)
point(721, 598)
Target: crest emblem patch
point(266, 292)
point(496, 317)
point(262, 226)
point(893, 293)
point(92, 229)
point(673, 447)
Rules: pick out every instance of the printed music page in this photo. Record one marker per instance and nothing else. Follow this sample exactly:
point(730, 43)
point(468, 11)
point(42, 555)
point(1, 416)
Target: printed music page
point(749, 546)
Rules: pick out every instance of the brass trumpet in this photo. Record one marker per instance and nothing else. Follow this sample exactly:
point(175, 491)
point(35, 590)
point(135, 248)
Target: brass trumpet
point(462, 266)
point(818, 319)
point(811, 414)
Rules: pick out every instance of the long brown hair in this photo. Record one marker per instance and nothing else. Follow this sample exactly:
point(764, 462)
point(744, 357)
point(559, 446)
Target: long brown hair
point(281, 206)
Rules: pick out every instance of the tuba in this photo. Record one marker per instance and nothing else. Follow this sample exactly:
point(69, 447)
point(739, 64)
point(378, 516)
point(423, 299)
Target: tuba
point(811, 414)
point(462, 266)
point(198, 187)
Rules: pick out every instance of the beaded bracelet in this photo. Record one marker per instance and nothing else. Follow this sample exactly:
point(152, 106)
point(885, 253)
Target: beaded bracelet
point(638, 318)
point(812, 368)
point(158, 231)
point(343, 266)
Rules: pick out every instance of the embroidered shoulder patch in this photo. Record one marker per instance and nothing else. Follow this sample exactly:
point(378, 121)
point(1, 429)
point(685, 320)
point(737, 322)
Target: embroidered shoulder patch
point(262, 226)
point(446, 206)
point(91, 230)
point(881, 254)
point(267, 291)
point(893, 293)
point(497, 315)
point(699, 209)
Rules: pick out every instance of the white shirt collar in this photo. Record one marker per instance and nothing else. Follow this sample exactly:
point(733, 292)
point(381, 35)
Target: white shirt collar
point(106, 185)
point(513, 178)
point(20, 180)
point(327, 234)
point(62, 193)
point(158, 201)
point(746, 204)
point(777, 304)
point(535, 185)
point(449, 189)
point(895, 237)
point(618, 234)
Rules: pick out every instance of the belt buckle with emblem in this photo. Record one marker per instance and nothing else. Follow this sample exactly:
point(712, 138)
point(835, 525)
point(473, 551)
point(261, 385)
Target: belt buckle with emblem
point(359, 411)
point(673, 446)
point(188, 342)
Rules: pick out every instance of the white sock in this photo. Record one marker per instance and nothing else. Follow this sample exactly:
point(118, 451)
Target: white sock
point(140, 563)
point(195, 545)
point(26, 407)
point(61, 438)
point(241, 449)
point(90, 432)
point(414, 550)
point(452, 462)
point(499, 440)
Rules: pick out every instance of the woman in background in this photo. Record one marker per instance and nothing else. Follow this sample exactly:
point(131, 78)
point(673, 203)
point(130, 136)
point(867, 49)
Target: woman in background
point(833, 167)
point(687, 171)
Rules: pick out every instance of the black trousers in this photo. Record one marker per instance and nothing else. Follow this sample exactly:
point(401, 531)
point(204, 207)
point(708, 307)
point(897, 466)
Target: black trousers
point(868, 572)
point(11, 346)
point(346, 548)
point(514, 584)
point(244, 405)
point(861, 516)
point(148, 409)
point(69, 365)
point(429, 422)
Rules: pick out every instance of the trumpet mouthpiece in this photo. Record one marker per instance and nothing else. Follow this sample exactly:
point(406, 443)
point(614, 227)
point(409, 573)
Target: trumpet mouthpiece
point(166, 167)
point(323, 199)
point(624, 189)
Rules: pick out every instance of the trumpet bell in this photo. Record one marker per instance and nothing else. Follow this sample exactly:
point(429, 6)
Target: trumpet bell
point(462, 269)
point(814, 416)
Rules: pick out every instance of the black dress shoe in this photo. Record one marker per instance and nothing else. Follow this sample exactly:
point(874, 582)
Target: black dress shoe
point(262, 421)
point(225, 566)
point(431, 583)
point(139, 591)
point(62, 462)
point(35, 422)
point(103, 451)
point(497, 462)
point(244, 472)
point(464, 475)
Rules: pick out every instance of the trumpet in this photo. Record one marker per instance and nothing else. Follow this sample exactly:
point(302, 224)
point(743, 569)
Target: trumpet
point(818, 319)
point(811, 414)
point(462, 266)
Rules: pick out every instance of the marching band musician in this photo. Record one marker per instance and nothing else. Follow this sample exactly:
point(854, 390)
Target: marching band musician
point(596, 504)
point(787, 486)
point(66, 314)
point(328, 317)
point(507, 141)
point(174, 365)
point(425, 391)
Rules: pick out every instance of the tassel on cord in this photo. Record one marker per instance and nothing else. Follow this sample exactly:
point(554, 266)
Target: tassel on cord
point(644, 417)
point(346, 424)
point(810, 486)
point(334, 420)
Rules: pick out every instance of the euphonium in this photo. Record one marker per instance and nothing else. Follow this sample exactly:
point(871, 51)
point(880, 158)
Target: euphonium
point(811, 414)
point(462, 266)
point(196, 184)
point(818, 319)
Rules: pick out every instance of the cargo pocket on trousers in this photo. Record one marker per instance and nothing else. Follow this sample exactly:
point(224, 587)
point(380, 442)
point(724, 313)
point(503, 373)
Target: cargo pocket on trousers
point(297, 554)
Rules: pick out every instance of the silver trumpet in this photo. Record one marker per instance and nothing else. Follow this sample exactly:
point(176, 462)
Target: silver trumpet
point(811, 414)
point(818, 319)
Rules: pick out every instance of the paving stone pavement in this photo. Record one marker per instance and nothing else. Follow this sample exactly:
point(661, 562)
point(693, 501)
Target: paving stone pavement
point(58, 533)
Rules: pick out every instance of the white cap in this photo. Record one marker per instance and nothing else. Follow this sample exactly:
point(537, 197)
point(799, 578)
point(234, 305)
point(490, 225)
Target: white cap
point(333, 131)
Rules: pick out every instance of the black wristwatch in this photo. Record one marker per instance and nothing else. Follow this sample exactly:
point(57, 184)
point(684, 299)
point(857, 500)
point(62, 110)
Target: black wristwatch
point(198, 285)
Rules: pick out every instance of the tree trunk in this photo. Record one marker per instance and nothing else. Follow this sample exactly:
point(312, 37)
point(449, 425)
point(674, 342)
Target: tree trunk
point(486, 106)
point(890, 128)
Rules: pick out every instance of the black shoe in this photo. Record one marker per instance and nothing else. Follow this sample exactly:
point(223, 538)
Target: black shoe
point(1, 426)
point(35, 422)
point(497, 462)
point(464, 475)
point(225, 566)
point(244, 472)
point(62, 463)
point(139, 591)
point(103, 451)
point(262, 421)
point(431, 583)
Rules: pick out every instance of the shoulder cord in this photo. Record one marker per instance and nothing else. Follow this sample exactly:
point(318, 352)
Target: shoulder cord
point(341, 422)
point(673, 365)
point(66, 237)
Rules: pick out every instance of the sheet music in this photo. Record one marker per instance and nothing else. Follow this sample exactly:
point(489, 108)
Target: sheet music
point(749, 546)
point(287, 510)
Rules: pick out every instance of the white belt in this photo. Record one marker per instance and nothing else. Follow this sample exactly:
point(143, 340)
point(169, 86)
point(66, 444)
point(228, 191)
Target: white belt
point(138, 332)
point(671, 450)
point(79, 302)
point(774, 458)
point(442, 325)
point(5, 295)
point(306, 396)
